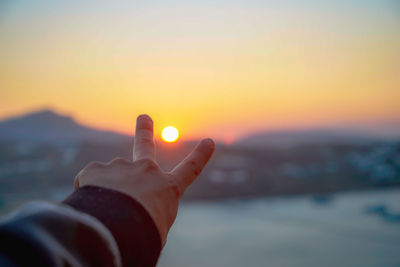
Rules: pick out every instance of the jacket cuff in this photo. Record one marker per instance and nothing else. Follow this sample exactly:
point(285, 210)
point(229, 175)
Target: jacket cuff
point(133, 228)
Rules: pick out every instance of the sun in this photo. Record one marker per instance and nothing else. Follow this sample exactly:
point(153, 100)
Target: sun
point(170, 134)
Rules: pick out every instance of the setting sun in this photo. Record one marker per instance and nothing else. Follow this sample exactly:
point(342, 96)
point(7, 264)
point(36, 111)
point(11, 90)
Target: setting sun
point(170, 134)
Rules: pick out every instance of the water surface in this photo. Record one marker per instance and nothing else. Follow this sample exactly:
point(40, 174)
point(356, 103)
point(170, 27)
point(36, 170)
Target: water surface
point(348, 230)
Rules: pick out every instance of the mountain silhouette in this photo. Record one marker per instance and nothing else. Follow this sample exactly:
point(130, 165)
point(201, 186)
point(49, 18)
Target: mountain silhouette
point(49, 127)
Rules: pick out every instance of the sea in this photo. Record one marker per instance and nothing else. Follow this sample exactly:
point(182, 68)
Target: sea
point(356, 228)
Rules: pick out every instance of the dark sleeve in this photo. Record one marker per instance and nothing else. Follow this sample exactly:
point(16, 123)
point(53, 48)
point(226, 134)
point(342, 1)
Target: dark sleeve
point(93, 227)
point(134, 230)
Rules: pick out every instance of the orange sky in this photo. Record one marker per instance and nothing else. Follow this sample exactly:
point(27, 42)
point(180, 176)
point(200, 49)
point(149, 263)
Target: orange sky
point(210, 68)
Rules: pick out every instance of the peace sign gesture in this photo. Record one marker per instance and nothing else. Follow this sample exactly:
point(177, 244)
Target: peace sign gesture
point(142, 178)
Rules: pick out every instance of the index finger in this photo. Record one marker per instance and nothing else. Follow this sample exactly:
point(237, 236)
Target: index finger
point(144, 141)
point(188, 170)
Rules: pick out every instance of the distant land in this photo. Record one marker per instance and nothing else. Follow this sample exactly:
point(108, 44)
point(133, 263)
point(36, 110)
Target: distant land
point(304, 137)
point(47, 126)
point(356, 134)
point(41, 152)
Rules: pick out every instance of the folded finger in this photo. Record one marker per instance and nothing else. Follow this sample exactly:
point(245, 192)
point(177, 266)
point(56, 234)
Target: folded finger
point(188, 170)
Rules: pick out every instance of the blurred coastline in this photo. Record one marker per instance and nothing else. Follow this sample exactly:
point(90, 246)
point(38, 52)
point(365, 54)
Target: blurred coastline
point(42, 152)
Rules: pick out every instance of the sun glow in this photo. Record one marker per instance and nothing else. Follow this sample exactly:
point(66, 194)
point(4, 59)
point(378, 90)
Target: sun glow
point(170, 134)
point(229, 71)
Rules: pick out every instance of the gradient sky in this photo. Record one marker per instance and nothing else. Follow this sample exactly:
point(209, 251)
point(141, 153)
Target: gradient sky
point(211, 68)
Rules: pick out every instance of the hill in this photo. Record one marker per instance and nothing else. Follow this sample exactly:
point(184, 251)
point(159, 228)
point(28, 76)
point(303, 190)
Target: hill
point(49, 127)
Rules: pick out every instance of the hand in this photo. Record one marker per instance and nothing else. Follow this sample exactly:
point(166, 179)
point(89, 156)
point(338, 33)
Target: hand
point(142, 179)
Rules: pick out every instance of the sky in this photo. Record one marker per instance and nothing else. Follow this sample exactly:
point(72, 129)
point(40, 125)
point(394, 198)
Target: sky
point(215, 68)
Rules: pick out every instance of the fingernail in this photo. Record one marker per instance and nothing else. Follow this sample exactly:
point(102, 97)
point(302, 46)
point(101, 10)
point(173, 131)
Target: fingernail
point(209, 142)
point(144, 117)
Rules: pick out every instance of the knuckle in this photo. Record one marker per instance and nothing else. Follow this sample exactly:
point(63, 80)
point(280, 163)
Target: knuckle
point(146, 141)
point(196, 169)
point(148, 126)
point(120, 161)
point(196, 172)
point(148, 164)
point(94, 165)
